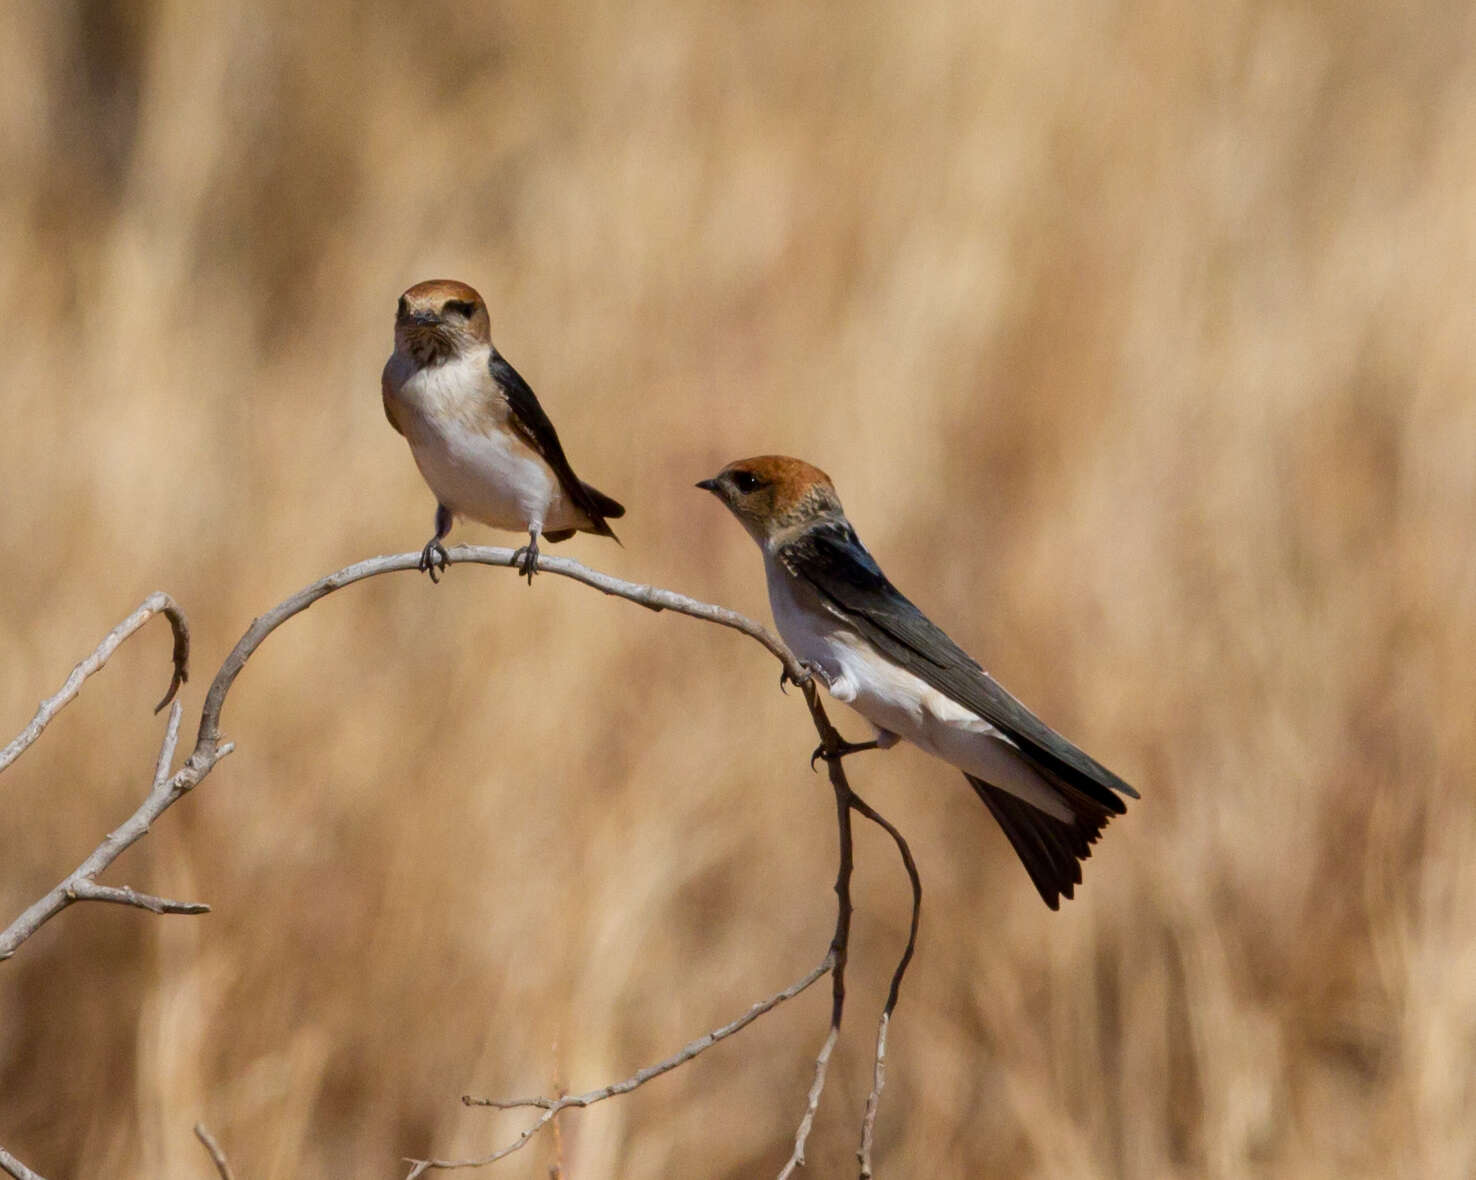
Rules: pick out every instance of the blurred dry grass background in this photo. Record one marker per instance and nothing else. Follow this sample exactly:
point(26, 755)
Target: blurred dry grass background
point(1138, 341)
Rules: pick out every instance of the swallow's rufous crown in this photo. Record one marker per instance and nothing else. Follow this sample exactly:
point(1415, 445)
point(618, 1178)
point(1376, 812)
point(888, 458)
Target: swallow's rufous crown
point(771, 494)
point(439, 318)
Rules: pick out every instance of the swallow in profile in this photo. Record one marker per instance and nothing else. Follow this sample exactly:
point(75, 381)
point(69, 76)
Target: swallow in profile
point(480, 438)
point(878, 653)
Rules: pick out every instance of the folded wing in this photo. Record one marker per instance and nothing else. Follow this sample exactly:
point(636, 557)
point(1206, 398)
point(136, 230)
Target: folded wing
point(534, 427)
point(833, 560)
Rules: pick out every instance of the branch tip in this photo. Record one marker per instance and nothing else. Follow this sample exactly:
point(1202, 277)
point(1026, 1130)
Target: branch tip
point(213, 1149)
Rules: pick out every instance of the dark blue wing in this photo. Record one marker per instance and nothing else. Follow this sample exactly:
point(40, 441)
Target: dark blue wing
point(832, 559)
point(534, 427)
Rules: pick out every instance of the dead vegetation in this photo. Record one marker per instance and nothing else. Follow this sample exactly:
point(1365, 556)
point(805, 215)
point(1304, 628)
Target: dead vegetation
point(1137, 344)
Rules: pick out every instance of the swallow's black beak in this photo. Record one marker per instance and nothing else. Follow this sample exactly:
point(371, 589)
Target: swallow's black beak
point(707, 485)
point(424, 318)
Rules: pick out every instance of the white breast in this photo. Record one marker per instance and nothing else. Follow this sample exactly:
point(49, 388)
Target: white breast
point(897, 701)
point(472, 460)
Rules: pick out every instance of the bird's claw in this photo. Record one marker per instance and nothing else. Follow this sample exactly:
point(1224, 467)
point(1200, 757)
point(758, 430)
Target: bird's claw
point(822, 754)
point(810, 672)
point(434, 559)
point(525, 561)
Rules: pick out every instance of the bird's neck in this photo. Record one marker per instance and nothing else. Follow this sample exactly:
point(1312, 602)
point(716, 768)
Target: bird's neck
point(787, 530)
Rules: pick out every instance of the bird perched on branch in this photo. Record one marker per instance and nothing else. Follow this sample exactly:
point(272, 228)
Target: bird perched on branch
point(878, 653)
point(480, 438)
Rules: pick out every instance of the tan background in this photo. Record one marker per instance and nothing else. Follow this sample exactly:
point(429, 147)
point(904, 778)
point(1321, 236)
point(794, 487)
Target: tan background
point(1139, 344)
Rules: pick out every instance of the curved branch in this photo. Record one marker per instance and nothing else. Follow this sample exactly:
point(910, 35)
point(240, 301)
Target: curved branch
point(832, 746)
point(879, 1060)
point(831, 743)
point(651, 597)
point(155, 604)
point(212, 1148)
point(80, 885)
point(210, 749)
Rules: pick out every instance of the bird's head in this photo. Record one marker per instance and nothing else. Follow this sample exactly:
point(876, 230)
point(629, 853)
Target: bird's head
point(772, 495)
point(439, 319)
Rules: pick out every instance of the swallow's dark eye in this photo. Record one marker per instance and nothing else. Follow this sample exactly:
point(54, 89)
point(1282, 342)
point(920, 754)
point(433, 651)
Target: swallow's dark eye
point(461, 307)
point(747, 481)
point(404, 309)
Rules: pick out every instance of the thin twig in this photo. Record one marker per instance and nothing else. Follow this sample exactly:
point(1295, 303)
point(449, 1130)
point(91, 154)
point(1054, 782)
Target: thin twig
point(81, 883)
point(910, 865)
point(84, 889)
point(831, 743)
point(156, 603)
point(846, 800)
point(217, 1156)
point(812, 1104)
point(556, 1168)
point(879, 1060)
point(873, 1100)
point(13, 1167)
point(552, 1106)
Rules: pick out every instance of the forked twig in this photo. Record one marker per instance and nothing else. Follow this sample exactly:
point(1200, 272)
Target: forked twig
point(209, 749)
point(846, 801)
point(879, 1060)
point(81, 884)
point(831, 743)
point(155, 604)
point(552, 1106)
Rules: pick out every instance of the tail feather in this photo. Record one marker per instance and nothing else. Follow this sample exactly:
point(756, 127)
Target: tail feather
point(1049, 848)
point(598, 507)
point(605, 505)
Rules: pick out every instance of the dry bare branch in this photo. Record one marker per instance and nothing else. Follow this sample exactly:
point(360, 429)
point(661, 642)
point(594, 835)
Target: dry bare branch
point(81, 883)
point(217, 1156)
point(155, 604)
point(846, 800)
point(556, 1164)
point(13, 1167)
point(651, 597)
point(552, 1106)
point(209, 749)
point(831, 743)
point(879, 1060)
point(812, 1104)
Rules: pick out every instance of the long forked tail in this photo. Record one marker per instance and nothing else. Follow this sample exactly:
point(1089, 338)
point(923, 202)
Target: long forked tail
point(597, 506)
point(606, 508)
point(1049, 848)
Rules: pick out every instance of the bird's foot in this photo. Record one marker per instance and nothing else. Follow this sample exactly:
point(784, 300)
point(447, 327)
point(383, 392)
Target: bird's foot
point(821, 754)
point(811, 672)
point(434, 559)
point(525, 560)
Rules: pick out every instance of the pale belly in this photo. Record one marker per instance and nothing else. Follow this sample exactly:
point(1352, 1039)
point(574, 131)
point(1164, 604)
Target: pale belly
point(494, 478)
point(902, 705)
